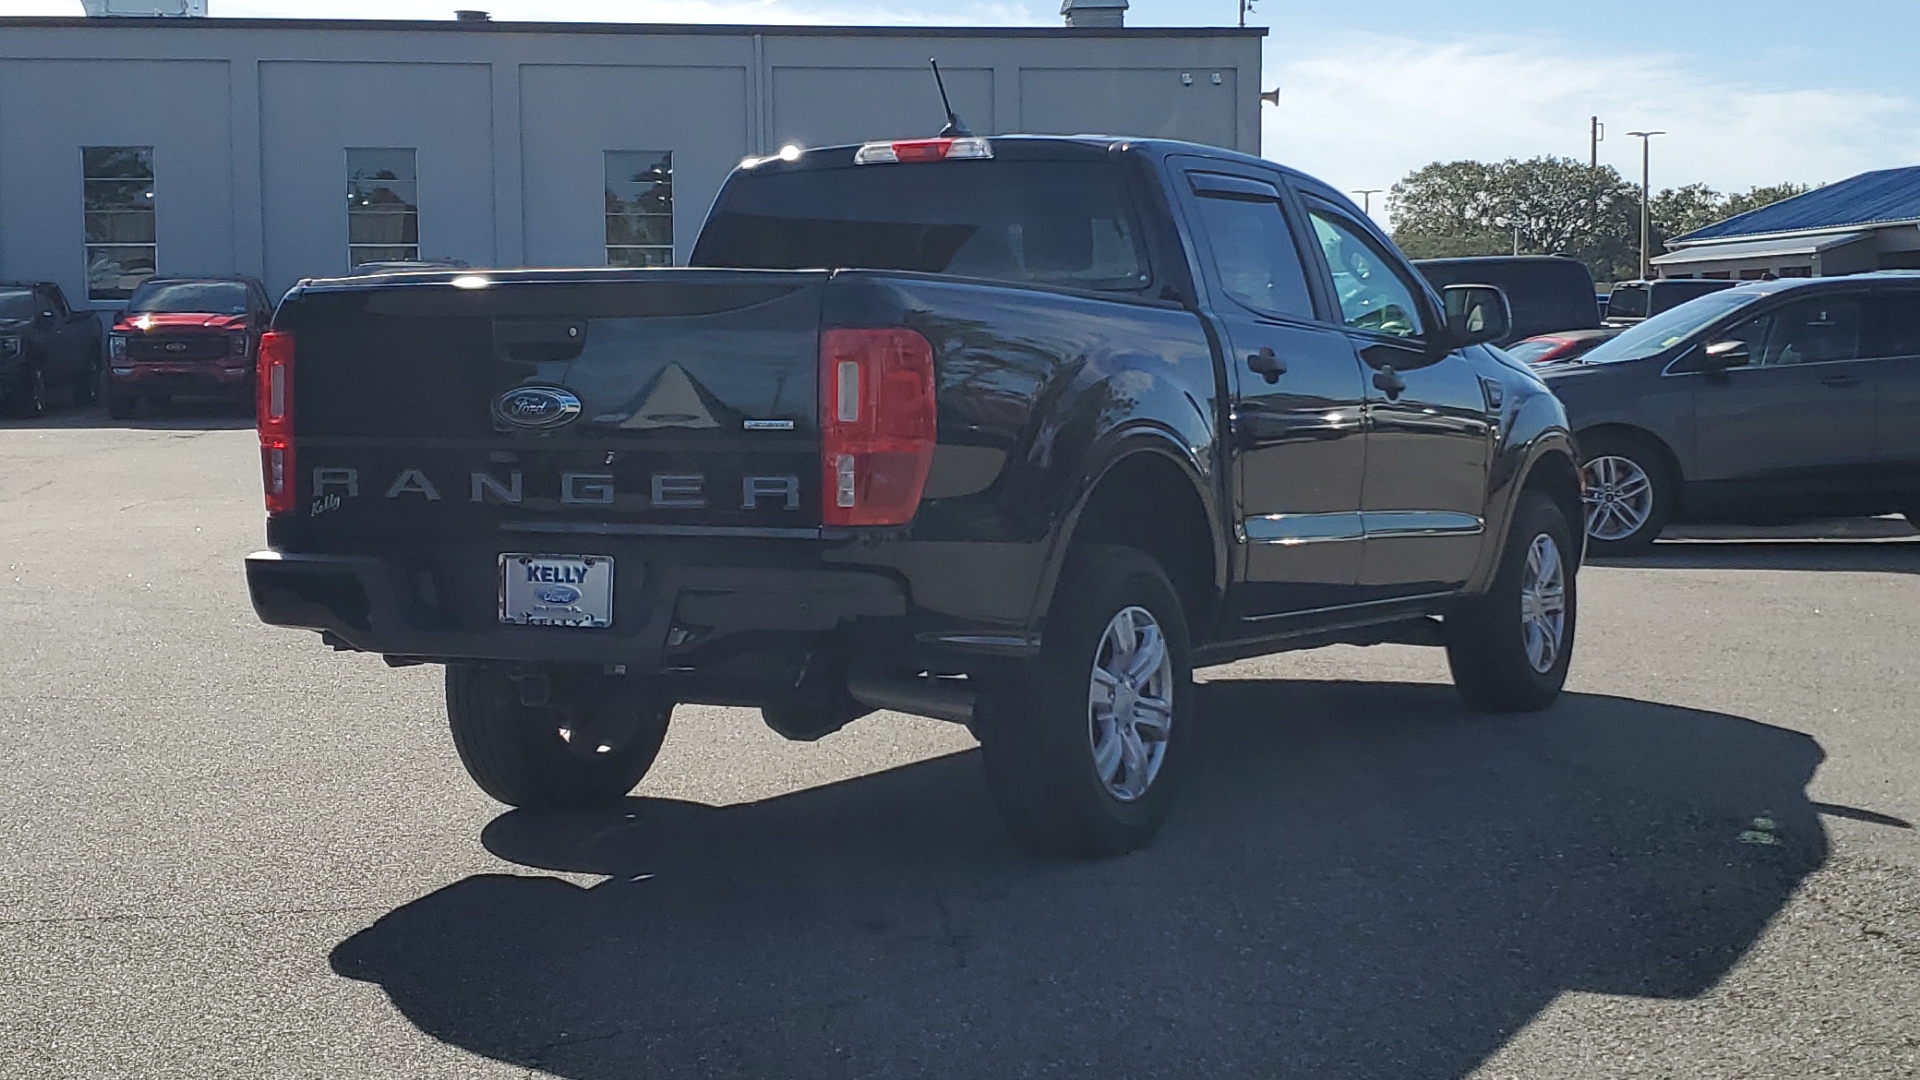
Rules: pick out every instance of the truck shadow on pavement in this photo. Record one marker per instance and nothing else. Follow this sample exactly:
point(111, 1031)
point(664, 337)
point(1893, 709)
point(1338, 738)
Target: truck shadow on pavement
point(1362, 880)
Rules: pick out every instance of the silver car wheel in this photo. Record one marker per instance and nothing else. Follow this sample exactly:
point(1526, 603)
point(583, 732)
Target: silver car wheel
point(1543, 603)
point(1619, 497)
point(1130, 703)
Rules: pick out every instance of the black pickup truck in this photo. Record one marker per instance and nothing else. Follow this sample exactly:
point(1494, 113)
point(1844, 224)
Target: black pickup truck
point(45, 345)
point(1060, 420)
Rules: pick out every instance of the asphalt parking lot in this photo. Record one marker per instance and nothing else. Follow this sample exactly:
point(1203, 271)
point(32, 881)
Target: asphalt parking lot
point(230, 853)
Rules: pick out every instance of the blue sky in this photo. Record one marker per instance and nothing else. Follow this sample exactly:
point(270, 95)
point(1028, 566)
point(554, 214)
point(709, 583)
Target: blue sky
point(1752, 91)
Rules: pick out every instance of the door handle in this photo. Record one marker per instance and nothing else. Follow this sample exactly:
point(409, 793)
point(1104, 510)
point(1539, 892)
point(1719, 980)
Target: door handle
point(1267, 365)
point(1840, 381)
point(1389, 382)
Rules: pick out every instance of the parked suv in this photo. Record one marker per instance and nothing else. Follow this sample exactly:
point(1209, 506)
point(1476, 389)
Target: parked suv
point(44, 345)
point(186, 336)
point(1767, 402)
point(1632, 301)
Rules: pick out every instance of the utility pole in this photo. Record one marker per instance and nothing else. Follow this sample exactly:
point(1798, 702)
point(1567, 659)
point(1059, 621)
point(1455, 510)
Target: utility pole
point(1366, 198)
point(1646, 202)
point(1596, 135)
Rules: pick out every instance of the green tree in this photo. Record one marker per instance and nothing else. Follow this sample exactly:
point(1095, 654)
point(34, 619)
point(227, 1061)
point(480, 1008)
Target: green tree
point(1547, 205)
point(1448, 209)
point(1765, 195)
point(1681, 210)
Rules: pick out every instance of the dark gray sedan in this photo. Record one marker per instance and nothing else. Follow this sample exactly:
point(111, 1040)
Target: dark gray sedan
point(1771, 402)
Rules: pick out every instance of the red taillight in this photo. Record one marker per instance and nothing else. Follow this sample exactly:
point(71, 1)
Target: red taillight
point(273, 412)
point(877, 425)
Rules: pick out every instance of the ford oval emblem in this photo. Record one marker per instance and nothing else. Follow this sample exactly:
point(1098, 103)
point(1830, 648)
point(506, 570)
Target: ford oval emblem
point(556, 594)
point(536, 407)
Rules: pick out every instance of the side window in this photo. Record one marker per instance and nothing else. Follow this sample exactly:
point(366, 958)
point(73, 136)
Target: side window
point(1254, 253)
point(1893, 324)
point(1818, 330)
point(1373, 296)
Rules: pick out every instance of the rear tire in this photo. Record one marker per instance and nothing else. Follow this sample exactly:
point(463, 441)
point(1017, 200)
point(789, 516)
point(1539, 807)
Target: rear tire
point(588, 747)
point(1084, 749)
point(1629, 493)
point(29, 398)
point(86, 391)
point(1509, 649)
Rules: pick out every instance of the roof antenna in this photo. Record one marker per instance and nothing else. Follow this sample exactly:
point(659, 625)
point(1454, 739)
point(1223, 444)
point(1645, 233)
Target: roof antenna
point(955, 125)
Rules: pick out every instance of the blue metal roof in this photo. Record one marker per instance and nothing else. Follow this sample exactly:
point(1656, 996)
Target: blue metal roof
point(1875, 198)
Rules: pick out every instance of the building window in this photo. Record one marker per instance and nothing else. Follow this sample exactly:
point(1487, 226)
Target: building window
point(1796, 271)
point(117, 189)
point(639, 208)
point(383, 210)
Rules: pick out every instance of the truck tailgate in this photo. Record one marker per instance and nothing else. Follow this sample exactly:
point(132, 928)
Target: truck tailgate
point(654, 402)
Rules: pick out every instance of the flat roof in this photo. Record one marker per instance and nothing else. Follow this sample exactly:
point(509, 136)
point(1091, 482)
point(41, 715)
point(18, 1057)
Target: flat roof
point(477, 26)
point(1758, 249)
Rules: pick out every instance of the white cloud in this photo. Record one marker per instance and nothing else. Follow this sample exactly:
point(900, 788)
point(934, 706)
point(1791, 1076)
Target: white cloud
point(1363, 110)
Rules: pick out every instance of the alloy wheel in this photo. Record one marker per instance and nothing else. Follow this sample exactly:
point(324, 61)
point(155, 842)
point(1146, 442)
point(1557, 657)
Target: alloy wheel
point(1619, 497)
point(1543, 603)
point(1130, 703)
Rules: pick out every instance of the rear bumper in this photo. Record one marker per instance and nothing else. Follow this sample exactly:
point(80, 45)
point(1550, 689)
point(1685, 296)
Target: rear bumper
point(382, 606)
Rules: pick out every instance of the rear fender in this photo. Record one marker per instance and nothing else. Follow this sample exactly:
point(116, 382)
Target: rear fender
point(1116, 447)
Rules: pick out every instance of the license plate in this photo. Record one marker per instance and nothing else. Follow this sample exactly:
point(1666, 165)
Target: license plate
point(556, 590)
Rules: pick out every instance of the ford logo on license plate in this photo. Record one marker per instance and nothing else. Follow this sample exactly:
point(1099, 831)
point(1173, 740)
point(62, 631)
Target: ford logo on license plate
point(556, 594)
point(536, 408)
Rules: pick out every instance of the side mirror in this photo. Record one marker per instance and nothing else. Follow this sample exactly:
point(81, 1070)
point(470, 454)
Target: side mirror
point(1476, 314)
point(1730, 353)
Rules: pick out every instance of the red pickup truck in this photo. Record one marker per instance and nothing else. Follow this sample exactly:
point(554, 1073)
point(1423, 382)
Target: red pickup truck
point(186, 336)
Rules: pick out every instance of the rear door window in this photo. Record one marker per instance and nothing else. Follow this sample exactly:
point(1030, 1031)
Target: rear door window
point(1253, 250)
point(1893, 320)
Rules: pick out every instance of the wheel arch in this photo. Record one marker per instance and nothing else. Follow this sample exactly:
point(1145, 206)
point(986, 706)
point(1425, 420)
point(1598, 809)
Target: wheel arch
point(1622, 430)
point(1556, 475)
point(1147, 492)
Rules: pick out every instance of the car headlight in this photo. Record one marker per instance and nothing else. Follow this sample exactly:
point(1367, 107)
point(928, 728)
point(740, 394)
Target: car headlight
point(236, 343)
point(9, 346)
point(117, 346)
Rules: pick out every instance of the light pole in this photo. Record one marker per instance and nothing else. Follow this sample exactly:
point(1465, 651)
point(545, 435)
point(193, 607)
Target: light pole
point(1366, 198)
point(1646, 204)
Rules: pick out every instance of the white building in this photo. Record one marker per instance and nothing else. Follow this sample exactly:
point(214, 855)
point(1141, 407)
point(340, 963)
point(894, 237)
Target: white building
point(286, 149)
